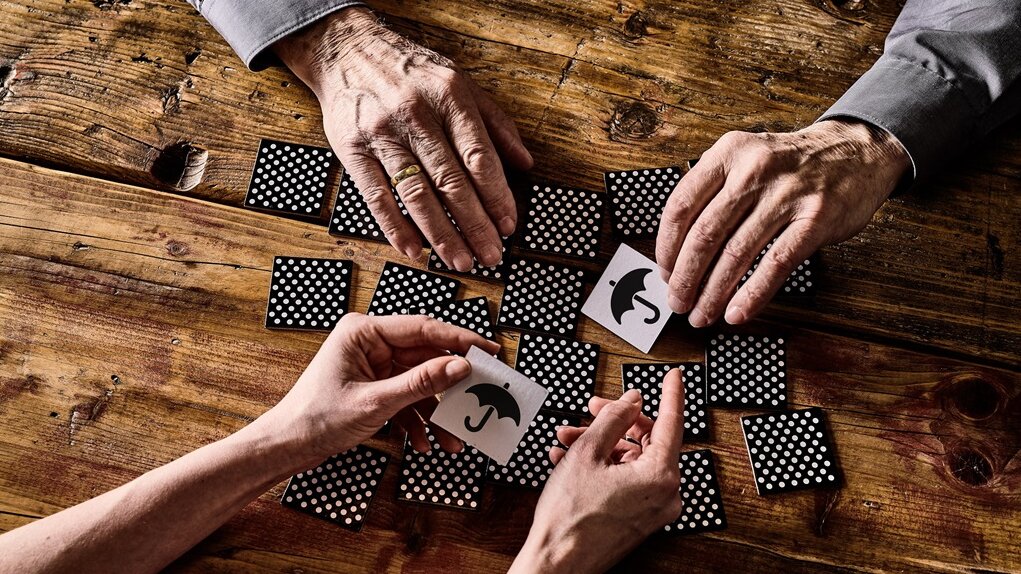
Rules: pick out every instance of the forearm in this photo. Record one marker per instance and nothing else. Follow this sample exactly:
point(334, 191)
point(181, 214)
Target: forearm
point(145, 524)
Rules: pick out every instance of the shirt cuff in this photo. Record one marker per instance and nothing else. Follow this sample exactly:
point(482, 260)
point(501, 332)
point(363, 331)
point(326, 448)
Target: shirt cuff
point(929, 116)
point(252, 26)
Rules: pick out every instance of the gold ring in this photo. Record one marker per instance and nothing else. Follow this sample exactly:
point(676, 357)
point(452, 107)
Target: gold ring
point(413, 169)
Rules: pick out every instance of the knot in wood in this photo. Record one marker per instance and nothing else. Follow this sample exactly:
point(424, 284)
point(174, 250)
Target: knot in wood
point(636, 26)
point(181, 166)
point(969, 466)
point(973, 397)
point(633, 120)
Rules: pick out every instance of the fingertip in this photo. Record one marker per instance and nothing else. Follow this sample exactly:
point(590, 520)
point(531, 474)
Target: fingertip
point(735, 315)
point(457, 368)
point(632, 396)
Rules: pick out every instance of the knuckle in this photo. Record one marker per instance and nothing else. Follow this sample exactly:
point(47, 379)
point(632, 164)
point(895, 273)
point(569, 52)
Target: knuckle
point(423, 383)
point(477, 159)
point(448, 179)
point(474, 227)
point(680, 284)
point(416, 194)
point(784, 257)
point(736, 249)
point(704, 235)
point(733, 139)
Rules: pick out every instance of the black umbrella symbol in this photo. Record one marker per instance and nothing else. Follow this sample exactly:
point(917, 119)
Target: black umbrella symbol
point(625, 293)
point(498, 400)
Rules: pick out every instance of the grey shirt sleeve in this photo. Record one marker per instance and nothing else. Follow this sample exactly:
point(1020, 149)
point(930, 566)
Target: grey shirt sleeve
point(252, 26)
point(950, 73)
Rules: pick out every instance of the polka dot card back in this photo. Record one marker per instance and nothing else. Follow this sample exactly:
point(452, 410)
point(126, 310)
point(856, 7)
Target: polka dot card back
point(441, 478)
point(648, 379)
point(790, 450)
point(351, 216)
point(402, 289)
point(471, 314)
point(746, 371)
point(308, 293)
point(290, 178)
point(565, 366)
point(340, 489)
point(637, 198)
point(563, 221)
point(701, 501)
point(542, 297)
point(496, 273)
point(799, 283)
point(530, 466)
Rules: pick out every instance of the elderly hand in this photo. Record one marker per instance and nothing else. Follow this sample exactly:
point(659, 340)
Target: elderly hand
point(607, 494)
point(389, 104)
point(371, 370)
point(813, 187)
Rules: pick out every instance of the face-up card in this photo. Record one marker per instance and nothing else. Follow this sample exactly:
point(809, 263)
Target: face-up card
point(630, 299)
point(308, 293)
point(491, 409)
point(340, 489)
point(289, 178)
point(790, 450)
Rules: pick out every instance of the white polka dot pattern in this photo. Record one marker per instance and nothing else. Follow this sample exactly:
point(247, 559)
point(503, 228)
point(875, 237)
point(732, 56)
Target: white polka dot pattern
point(530, 466)
point(746, 370)
point(497, 272)
point(637, 198)
point(563, 221)
point(405, 289)
point(790, 450)
point(566, 367)
point(648, 379)
point(308, 293)
point(453, 480)
point(701, 501)
point(543, 297)
point(340, 489)
point(289, 178)
point(351, 215)
point(799, 282)
point(471, 314)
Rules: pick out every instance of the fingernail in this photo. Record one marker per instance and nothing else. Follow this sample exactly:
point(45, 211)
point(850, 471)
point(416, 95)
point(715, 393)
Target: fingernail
point(463, 262)
point(697, 319)
point(457, 369)
point(675, 304)
point(735, 315)
point(412, 252)
point(507, 226)
point(664, 274)
point(632, 396)
point(491, 255)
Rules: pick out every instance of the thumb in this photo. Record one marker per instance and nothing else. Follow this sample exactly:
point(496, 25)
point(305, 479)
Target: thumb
point(610, 425)
point(426, 380)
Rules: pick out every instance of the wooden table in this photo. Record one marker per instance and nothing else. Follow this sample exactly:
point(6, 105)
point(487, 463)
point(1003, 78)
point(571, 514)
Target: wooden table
point(131, 313)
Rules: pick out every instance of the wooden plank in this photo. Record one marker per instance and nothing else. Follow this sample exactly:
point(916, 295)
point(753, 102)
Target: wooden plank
point(131, 332)
point(116, 89)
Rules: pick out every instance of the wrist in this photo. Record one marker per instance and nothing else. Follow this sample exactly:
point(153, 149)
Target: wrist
point(547, 552)
point(314, 50)
point(279, 442)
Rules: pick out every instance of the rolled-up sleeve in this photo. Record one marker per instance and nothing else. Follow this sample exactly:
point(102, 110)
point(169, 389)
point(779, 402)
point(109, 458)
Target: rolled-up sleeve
point(252, 26)
point(950, 73)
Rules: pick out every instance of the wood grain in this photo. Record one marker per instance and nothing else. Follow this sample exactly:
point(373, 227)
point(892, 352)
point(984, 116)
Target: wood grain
point(123, 90)
point(131, 333)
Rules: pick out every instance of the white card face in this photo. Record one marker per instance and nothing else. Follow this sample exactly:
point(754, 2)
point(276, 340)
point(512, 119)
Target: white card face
point(630, 299)
point(492, 408)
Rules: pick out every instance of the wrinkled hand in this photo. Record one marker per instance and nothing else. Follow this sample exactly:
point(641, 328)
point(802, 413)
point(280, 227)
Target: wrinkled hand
point(607, 494)
point(813, 187)
point(371, 370)
point(388, 104)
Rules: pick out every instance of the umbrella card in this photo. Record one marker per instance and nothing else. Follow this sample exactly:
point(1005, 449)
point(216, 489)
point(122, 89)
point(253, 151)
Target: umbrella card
point(491, 409)
point(630, 299)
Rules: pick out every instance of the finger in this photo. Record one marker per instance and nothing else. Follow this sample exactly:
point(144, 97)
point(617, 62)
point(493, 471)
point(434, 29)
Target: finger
point(567, 435)
point(424, 381)
point(410, 357)
point(469, 137)
point(703, 242)
point(668, 431)
point(370, 178)
point(556, 454)
point(457, 192)
point(607, 428)
point(448, 442)
point(409, 420)
point(638, 430)
point(736, 258)
point(625, 451)
point(689, 198)
point(794, 246)
point(503, 132)
point(425, 208)
point(407, 331)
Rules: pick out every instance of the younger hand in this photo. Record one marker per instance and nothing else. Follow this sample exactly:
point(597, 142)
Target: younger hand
point(389, 104)
point(371, 370)
point(813, 187)
point(607, 494)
